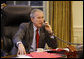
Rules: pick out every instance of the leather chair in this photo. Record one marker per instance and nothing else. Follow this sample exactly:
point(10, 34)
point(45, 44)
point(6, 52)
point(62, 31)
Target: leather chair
point(13, 16)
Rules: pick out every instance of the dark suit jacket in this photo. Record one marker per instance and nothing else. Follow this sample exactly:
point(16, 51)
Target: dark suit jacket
point(25, 34)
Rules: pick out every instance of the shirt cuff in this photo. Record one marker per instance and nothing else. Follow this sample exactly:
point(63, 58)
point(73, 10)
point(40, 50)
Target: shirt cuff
point(19, 43)
point(52, 37)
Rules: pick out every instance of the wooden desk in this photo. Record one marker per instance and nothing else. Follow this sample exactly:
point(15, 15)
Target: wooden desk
point(11, 56)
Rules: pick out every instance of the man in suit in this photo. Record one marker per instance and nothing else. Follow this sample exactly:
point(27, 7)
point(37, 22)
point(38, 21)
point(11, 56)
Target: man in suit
point(25, 39)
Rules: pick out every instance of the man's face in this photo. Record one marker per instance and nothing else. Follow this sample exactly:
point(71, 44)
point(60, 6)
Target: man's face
point(38, 19)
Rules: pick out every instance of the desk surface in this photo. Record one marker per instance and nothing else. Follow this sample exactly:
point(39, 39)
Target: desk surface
point(63, 56)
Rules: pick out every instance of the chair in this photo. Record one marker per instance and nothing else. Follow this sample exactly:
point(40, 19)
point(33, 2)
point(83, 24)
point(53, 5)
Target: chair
point(13, 16)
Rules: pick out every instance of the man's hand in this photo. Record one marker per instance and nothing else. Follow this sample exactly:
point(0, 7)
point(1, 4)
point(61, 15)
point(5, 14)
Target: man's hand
point(21, 49)
point(48, 27)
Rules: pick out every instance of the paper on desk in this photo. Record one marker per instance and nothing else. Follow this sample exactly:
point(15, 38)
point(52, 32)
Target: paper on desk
point(23, 56)
point(44, 55)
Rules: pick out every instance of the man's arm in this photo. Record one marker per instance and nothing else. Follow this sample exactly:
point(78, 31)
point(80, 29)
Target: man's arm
point(50, 38)
point(17, 40)
point(20, 34)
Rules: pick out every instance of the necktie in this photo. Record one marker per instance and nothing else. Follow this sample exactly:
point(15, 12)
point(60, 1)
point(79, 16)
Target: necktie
point(37, 38)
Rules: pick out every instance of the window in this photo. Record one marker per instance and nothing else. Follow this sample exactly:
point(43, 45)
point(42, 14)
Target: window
point(21, 3)
point(34, 4)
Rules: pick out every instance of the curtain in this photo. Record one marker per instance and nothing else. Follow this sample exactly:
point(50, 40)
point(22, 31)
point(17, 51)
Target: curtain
point(61, 21)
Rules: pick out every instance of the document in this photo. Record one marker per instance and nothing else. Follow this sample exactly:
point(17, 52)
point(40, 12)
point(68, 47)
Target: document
point(23, 56)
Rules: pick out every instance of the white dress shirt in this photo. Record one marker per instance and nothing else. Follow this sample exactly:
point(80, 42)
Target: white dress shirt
point(33, 46)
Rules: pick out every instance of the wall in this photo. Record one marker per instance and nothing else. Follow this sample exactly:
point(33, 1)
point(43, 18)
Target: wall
point(77, 16)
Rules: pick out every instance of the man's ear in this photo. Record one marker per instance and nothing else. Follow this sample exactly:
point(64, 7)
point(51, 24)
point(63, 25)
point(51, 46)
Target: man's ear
point(32, 19)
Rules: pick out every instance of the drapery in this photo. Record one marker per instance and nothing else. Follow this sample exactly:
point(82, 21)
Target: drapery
point(60, 19)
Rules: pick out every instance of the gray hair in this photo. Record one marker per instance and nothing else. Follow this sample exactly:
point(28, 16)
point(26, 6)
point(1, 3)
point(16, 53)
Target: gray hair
point(33, 11)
